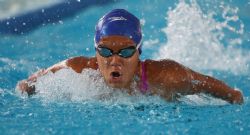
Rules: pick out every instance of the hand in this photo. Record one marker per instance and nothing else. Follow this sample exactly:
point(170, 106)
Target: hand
point(237, 97)
point(25, 87)
point(22, 85)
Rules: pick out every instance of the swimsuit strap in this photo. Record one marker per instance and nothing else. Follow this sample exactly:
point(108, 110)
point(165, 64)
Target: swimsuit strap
point(143, 83)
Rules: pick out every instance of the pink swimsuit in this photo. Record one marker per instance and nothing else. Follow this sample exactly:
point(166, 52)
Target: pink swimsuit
point(143, 83)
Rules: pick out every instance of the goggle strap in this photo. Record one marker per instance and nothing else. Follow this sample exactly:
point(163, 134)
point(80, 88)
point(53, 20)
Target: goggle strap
point(139, 45)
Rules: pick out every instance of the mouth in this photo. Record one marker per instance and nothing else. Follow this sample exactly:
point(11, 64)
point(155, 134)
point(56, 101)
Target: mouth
point(116, 79)
point(116, 74)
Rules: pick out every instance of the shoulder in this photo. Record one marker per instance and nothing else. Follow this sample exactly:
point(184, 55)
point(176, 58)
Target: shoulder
point(163, 64)
point(81, 62)
point(80, 59)
point(168, 76)
point(165, 69)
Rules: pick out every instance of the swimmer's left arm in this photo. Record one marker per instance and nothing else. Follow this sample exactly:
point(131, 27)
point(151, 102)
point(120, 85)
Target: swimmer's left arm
point(217, 88)
point(176, 78)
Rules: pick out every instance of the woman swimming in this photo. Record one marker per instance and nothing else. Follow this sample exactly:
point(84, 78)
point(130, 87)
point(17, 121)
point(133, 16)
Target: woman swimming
point(118, 41)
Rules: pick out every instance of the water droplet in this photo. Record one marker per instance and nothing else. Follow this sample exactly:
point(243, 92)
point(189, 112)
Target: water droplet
point(60, 21)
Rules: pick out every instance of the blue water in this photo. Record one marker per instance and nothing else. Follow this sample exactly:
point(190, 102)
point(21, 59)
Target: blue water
point(22, 55)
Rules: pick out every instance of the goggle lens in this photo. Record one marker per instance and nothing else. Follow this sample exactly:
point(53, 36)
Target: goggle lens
point(125, 53)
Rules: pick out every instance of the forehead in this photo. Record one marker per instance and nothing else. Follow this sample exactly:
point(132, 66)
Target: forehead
point(116, 41)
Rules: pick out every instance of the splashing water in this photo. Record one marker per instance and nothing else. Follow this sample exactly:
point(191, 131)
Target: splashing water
point(67, 85)
point(195, 39)
point(89, 85)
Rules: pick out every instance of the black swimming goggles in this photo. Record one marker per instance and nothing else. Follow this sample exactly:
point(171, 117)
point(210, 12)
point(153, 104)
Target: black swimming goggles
point(124, 53)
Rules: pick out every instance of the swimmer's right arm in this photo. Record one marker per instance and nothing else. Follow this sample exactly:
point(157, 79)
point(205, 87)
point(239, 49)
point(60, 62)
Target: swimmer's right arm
point(27, 85)
point(76, 63)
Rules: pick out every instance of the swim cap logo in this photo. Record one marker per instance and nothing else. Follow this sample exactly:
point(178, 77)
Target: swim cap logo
point(115, 18)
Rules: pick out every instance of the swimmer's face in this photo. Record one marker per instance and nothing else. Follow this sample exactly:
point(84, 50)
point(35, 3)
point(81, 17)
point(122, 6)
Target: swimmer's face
point(117, 71)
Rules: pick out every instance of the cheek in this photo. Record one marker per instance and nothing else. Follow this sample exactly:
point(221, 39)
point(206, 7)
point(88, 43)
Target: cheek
point(102, 64)
point(101, 61)
point(131, 66)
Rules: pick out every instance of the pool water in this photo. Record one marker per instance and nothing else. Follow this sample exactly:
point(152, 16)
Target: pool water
point(211, 37)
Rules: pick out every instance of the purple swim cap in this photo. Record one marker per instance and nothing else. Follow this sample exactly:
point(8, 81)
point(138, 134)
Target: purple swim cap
point(119, 22)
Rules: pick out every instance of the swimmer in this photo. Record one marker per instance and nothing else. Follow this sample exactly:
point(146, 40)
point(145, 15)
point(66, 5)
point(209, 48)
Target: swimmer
point(118, 42)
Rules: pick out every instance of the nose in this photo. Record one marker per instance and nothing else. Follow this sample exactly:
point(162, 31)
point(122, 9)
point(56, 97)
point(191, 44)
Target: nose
point(115, 60)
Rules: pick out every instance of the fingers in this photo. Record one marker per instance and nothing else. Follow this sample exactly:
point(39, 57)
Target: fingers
point(237, 97)
point(22, 85)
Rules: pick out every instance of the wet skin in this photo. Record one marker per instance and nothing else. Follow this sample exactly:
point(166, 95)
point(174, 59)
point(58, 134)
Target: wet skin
point(166, 78)
point(118, 72)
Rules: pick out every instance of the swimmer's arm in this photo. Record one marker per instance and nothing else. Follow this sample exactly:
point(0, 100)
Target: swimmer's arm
point(176, 78)
point(217, 88)
point(75, 63)
point(28, 86)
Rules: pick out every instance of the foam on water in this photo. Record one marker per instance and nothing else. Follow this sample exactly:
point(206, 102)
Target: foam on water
point(201, 100)
point(67, 85)
point(9, 8)
point(197, 40)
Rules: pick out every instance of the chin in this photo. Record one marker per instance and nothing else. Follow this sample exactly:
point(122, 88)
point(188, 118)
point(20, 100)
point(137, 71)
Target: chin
point(115, 85)
point(119, 85)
